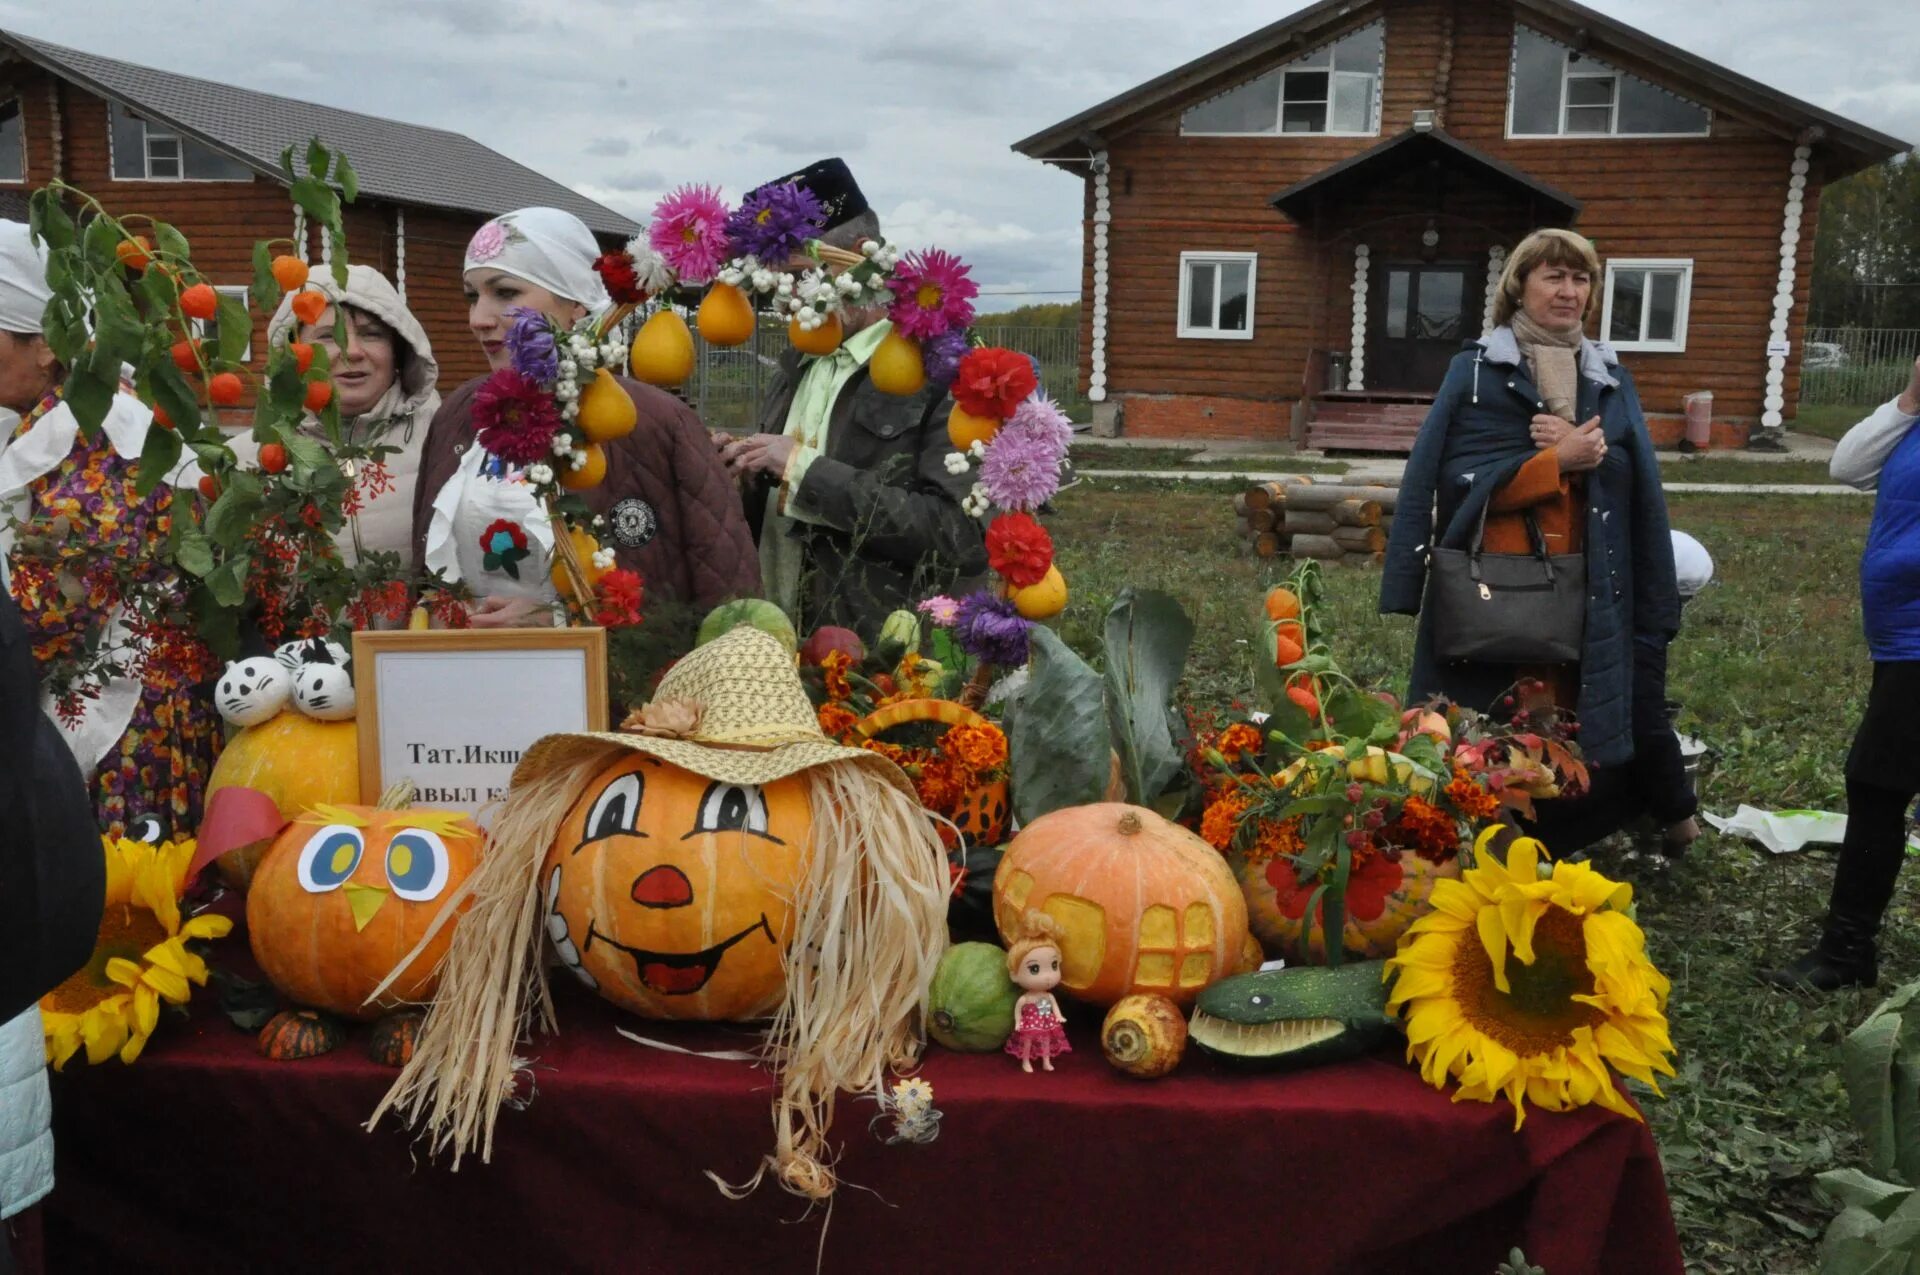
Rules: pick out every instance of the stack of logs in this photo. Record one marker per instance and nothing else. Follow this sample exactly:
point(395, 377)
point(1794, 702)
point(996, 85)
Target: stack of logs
point(1334, 522)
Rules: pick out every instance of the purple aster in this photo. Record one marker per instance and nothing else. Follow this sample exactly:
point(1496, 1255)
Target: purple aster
point(1042, 417)
point(774, 222)
point(530, 345)
point(941, 356)
point(1021, 469)
point(991, 631)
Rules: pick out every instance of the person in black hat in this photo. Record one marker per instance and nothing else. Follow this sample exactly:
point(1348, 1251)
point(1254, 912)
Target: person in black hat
point(847, 488)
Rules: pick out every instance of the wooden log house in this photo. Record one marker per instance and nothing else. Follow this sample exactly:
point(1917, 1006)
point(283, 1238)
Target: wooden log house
point(1292, 235)
point(205, 156)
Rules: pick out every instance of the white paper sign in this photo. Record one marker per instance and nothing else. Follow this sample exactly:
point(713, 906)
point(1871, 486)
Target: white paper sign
point(456, 720)
point(1779, 348)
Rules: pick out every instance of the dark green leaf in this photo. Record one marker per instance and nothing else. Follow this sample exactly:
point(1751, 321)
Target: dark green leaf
point(218, 626)
point(286, 163)
point(227, 582)
point(64, 322)
point(170, 390)
point(317, 158)
point(306, 453)
point(100, 239)
point(1351, 712)
point(158, 459)
point(1335, 930)
point(50, 220)
point(1059, 737)
point(193, 552)
point(171, 242)
point(90, 395)
point(1147, 639)
point(236, 328)
point(234, 512)
point(161, 290)
point(317, 199)
point(266, 288)
point(348, 179)
point(118, 333)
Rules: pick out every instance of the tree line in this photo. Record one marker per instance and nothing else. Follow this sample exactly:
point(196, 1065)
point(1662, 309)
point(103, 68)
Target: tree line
point(1866, 255)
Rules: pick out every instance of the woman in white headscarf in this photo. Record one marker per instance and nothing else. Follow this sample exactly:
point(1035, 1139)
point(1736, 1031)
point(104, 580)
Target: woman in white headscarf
point(146, 741)
point(671, 512)
point(385, 382)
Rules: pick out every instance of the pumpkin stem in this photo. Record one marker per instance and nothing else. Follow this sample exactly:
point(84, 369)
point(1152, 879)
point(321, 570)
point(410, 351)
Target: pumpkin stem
point(398, 797)
point(1130, 823)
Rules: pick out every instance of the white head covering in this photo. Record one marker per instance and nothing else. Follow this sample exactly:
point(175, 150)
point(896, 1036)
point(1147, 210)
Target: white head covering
point(546, 247)
point(1692, 564)
point(23, 280)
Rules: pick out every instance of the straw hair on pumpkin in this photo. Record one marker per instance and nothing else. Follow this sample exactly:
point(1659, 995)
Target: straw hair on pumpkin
point(493, 991)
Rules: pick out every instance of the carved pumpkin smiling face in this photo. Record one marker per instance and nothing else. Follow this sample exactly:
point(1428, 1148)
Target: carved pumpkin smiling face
point(672, 894)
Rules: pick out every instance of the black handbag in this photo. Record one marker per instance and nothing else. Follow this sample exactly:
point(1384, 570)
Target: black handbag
point(1508, 608)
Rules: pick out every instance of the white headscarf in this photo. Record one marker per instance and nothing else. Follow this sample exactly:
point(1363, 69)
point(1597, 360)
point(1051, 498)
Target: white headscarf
point(23, 280)
point(546, 247)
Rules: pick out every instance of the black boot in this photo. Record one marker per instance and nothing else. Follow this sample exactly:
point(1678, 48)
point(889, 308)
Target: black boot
point(1844, 957)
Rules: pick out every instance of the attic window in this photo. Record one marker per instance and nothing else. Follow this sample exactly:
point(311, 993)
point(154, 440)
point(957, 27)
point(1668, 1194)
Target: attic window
point(152, 152)
point(13, 144)
point(1332, 91)
point(1556, 91)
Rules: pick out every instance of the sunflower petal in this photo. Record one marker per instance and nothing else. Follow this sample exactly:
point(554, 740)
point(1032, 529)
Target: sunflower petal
point(169, 984)
point(1493, 937)
point(122, 971)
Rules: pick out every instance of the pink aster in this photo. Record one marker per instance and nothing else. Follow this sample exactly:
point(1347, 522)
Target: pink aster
point(690, 232)
point(1042, 417)
point(1021, 469)
point(932, 294)
point(940, 609)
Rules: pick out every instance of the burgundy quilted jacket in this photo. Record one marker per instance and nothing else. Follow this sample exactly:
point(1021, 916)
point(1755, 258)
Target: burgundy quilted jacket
point(672, 513)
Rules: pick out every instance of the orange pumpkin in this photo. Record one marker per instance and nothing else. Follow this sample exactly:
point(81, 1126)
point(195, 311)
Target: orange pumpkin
point(1384, 897)
point(1142, 904)
point(297, 762)
point(672, 894)
point(346, 892)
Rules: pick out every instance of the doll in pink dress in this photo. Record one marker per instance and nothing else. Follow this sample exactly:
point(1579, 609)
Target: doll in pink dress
point(1039, 1028)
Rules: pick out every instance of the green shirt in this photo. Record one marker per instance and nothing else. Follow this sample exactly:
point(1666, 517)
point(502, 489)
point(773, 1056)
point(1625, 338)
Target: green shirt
point(808, 421)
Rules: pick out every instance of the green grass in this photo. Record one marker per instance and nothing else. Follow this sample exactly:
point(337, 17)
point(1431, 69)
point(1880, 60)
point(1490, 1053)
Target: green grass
point(1772, 671)
point(1712, 469)
point(1829, 420)
point(1097, 456)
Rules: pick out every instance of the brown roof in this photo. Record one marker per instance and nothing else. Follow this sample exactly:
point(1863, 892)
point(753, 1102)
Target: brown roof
point(396, 162)
point(1336, 183)
point(1069, 139)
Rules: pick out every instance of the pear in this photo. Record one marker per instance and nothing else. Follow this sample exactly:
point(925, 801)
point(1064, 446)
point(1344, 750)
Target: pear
point(824, 339)
point(606, 413)
point(725, 317)
point(964, 429)
point(896, 367)
point(663, 350)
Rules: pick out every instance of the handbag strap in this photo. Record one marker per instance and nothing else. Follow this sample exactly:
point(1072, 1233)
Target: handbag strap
point(1535, 537)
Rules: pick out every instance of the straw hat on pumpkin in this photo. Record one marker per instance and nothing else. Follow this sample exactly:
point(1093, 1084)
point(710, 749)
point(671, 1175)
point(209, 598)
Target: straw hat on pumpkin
point(870, 910)
point(732, 711)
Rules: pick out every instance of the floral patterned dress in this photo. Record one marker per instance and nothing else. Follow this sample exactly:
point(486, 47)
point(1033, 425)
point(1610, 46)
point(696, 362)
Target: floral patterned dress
point(160, 763)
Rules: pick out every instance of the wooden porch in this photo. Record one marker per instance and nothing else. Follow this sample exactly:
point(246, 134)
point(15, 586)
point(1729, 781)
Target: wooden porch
point(1366, 420)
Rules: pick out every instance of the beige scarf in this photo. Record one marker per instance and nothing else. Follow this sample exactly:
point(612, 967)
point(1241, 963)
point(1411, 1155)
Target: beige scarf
point(1554, 358)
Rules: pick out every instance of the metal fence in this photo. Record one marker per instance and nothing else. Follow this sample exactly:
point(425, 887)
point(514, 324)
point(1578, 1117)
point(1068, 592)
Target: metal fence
point(1856, 365)
point(728, 385)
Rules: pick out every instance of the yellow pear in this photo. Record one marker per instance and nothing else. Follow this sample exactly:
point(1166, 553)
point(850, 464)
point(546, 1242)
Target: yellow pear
point(420, 619)
point(584, 547)
point(606, 413)
point(824, 339)
point(663, 350)
point(1044, 600)
point(965, 429)
point(725, 316)
point(896, 367)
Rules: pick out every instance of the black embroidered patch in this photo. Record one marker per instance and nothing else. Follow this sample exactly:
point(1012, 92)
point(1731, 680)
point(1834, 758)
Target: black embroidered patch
point(634, 523)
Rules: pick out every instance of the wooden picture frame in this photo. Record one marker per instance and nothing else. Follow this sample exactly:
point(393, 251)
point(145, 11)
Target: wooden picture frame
point(469, 711)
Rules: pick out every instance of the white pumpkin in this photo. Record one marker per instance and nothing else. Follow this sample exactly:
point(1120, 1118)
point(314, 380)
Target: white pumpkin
point(310, 651)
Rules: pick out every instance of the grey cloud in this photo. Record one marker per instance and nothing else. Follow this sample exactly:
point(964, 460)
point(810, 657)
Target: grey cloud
point(608, 147)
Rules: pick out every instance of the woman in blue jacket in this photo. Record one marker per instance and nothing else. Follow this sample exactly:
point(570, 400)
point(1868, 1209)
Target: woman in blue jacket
point(1881, 453)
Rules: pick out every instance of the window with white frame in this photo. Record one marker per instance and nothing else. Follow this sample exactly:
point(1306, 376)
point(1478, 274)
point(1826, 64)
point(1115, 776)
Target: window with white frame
point(1555, 91)
point(1216, 295)
point(151, 152)
point(1646, 302)
point(13, 142)
point(1332, 91)
point(208, 330)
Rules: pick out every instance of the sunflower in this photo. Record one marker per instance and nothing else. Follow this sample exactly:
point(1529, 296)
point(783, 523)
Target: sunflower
point(1578, 1001)
point(139, 958)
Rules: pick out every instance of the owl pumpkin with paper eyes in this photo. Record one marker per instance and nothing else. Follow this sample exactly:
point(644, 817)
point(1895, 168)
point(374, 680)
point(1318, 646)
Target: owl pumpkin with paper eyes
point(671, 894)
point(341, 899)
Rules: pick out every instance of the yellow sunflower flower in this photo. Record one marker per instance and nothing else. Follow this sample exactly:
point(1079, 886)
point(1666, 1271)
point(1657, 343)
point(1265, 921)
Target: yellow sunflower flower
point(140, 957)
point(1538, 988)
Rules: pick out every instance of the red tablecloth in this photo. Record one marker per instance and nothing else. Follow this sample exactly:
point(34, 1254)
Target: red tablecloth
point(204, 1157)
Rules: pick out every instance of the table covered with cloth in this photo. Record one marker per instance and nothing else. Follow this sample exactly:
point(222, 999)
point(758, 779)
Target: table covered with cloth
point(204, 1156)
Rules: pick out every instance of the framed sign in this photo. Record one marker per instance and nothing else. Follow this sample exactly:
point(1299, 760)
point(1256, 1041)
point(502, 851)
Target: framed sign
point(453, 709)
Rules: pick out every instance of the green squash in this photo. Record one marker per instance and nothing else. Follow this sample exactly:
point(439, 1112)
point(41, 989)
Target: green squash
point(1294, 1017)
point(970, 1006)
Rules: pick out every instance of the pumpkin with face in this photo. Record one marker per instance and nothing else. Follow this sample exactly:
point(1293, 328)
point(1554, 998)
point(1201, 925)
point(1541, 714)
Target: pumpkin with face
point(346, 892)
point(671, 894)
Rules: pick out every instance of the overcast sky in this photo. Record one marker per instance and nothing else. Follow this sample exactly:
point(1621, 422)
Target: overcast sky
point(624, 100)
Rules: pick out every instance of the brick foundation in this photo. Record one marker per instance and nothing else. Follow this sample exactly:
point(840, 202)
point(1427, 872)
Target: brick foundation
point(1205, 417)
point(1730, 435)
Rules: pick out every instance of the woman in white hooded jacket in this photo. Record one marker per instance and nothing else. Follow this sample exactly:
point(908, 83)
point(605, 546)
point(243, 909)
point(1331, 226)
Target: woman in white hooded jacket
point(385, 381)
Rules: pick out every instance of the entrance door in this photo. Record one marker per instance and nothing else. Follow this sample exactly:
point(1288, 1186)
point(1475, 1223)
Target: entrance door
point(1417, 318)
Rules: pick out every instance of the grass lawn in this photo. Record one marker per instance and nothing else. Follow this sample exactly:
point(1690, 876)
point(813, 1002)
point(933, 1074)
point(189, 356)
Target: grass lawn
point(1713, 469)
point(1829, 421)
point(1096, 456)
point(1772, 671)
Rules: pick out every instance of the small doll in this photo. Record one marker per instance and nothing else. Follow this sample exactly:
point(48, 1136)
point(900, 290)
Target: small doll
point(1039, 1028)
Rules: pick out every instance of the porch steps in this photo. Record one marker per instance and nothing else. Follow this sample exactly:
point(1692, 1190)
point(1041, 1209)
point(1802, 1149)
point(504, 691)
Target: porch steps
point(1358, 425)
